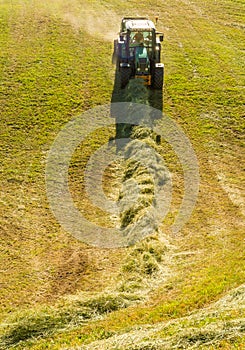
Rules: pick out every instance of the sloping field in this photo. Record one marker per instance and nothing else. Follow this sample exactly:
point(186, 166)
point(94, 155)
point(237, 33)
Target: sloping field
point(168, 291)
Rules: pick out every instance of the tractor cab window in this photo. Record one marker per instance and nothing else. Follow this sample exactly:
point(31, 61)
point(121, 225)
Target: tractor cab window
point(142, 38)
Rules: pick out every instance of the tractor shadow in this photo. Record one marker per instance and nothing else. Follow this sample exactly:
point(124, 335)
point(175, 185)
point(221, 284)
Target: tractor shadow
point(126, 117)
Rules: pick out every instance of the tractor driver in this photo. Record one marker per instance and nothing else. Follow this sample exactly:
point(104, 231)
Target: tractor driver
point(138, 38)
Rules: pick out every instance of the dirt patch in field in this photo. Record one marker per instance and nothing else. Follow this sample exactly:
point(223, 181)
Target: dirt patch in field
point(71, 267)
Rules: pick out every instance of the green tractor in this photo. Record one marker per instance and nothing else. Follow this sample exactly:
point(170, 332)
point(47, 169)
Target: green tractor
point(137, 52)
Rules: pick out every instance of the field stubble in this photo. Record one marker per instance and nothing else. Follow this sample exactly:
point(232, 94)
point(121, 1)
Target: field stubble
point(55, 63)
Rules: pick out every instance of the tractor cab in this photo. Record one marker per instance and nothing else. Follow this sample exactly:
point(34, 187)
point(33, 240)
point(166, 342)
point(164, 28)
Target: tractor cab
point(140, 51)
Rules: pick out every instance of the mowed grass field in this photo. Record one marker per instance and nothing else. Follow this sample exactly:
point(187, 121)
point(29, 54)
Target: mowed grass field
point(57, 292)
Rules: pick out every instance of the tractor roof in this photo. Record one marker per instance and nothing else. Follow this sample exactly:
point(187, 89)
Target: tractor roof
point(137, 23)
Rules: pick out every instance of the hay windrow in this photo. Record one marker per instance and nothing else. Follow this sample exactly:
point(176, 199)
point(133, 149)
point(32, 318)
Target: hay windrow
point(144, 174)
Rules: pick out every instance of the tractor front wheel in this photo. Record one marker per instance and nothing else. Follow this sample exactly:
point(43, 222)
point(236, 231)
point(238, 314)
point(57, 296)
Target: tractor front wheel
point(125, 73)
point(158, 78)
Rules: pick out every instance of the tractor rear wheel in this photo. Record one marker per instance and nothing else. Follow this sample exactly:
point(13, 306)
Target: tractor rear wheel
point(158, 78)
point(125, 73)
point(115, 52)
point(114, 58)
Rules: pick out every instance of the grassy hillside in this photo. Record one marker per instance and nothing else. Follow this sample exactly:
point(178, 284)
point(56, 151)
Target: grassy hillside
point(182, 291)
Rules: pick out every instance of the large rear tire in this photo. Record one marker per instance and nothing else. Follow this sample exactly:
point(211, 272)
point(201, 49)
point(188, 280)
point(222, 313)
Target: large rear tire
point(115, 52)
point(158, 78)
point(114, 58)
point(125, 73)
